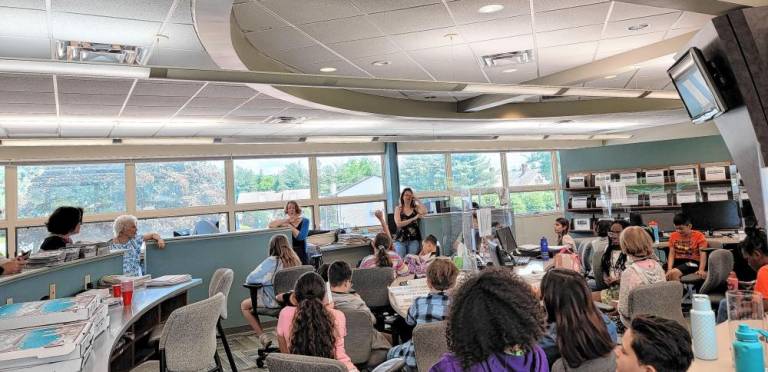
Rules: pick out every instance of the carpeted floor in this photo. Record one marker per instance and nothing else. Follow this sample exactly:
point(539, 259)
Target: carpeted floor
point(244, 348)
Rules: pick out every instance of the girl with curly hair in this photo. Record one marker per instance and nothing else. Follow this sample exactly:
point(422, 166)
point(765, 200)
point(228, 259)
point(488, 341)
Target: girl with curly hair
point(494, 325)
point(313, 327)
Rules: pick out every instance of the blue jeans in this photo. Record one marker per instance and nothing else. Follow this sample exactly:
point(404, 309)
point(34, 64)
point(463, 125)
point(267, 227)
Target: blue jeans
point(407, 247)
point(722, 311)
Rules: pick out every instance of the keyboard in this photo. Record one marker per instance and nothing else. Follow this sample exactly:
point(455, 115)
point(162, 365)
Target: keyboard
point(522, 260)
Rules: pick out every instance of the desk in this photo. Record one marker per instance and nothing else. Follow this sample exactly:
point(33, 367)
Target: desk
point(719, 240)
point(154, 303)
point(401, 296)
point(351, 254)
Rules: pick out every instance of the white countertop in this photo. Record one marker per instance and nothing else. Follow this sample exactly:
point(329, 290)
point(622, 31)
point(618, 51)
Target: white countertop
point(28, 273)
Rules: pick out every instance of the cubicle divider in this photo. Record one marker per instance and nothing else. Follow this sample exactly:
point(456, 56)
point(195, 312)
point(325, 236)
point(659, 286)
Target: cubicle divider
point(201, 255)
point(69, 278)
point(447, 227)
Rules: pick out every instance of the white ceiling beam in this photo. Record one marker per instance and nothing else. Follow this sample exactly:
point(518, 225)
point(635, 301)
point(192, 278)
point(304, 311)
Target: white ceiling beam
point(614, 64)
point(711, 7)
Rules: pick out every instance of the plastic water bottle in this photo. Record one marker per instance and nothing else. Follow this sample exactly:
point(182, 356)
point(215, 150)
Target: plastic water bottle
point(747, 350)
point(544, 245)
point(703, 328)
point(655, 228)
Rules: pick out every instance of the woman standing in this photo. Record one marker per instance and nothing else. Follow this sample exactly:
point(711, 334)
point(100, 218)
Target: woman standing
point(62, 224)
point(299, 229)
point(407, 215)
point(129, 241)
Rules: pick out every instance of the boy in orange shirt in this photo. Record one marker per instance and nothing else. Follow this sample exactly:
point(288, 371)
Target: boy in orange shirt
point(685, 245)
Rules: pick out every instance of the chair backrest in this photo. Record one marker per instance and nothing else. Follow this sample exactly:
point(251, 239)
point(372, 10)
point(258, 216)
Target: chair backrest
point(430, 343)
point(494, 255)
point(188, 340)
point(603, 364)
point(286, 279)
point(302, 363)
point(597, 268)
point(719, 265)
point(662, 299)
point(357, 343)
point(221, 282)
point(371, 284)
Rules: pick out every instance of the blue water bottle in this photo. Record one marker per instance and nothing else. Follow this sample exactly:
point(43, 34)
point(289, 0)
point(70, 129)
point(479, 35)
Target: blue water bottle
point(703, 328)
point(544, 245)
point(747, 350)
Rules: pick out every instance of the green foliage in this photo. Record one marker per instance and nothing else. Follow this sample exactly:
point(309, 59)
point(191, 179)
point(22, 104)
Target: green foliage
point(347, 174)
point(422, 172)
point(474, 170)
point(532, 202)
point(541, 161)
point(293, 176)
point(179, 184)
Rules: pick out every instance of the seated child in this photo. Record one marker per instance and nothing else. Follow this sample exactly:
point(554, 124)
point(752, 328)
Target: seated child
point(417, 263)
point(685, 245)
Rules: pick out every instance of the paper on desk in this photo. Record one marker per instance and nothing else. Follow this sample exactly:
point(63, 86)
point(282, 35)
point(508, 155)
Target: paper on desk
point(618, 192)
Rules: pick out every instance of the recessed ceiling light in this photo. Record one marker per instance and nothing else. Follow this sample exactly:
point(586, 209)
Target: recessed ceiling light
point(609, 77)
point(381, 63)
point(509, 70)
point(637, 27)
point(450, 35)
point(491, 8)
point(566, 121)
point(430, 97)
point(328, 69)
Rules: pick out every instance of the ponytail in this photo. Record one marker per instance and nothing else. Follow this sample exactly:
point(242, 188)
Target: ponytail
point(382, 257)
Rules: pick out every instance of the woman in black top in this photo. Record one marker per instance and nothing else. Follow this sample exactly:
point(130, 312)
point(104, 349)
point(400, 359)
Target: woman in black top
point(407, 214)
point(62, 223)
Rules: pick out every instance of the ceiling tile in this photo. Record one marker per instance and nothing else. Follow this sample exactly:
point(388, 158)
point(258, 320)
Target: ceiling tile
point(227, 90)
point(26, 83)
point(303, 56)
point(16, 47)
point(679, 31)
point(156, 101)
point(180, 37)
point(559, 58)
point(94, 86)
point(400, 67)
point(569, 36)
point(650, 78)
point(450, 63)
point(342, 68)
point(252, 17)
point(26, 4)
point(547, 5)
point(465, 11)
point(279, 39)
point(655, 24)
point(89, 110)
point(571, 17)
point(26, 108)
point(413, 19)
point(38, 98)
point(429, 39)
point(618, 81)
point(183, 13)
point(254, 112)
point(181, 58)
point(149, 112)
point(509, 44)
point(305, 11)
point(690, 20)
point(103, 30)
point(219, 102)
point(157, 88)
point(495, 29)
point(609, 47)
point(363, 48)
point(622, 11)
point(148, 10)
point(265, 102)
point(523, 73)
point(376, 6)
point(23, 23)
point(94, 99)
point(346, 29)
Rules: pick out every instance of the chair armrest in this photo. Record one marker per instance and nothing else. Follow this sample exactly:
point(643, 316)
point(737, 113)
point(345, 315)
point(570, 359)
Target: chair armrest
point(392, 365)
point(746, 285)
point(253, 285)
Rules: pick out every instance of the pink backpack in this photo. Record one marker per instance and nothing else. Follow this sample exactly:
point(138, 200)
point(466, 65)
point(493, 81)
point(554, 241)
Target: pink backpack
point(567, 259)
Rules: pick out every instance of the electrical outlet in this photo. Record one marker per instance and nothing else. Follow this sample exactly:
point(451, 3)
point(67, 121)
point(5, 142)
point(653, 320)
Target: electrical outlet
point(87, 281)
point(9, 300)
point(52, 291)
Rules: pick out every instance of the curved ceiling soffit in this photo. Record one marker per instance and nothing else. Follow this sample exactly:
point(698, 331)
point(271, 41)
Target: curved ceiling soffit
point(227, 45)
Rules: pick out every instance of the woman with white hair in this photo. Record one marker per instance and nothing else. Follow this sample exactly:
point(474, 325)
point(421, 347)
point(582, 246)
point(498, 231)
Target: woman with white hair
point(127, 240)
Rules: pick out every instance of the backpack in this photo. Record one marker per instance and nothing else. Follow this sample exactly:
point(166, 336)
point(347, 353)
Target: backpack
point(567, 259)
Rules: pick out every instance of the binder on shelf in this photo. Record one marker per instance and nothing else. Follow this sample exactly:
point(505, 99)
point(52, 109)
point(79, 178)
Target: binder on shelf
point(686, 197)
point(685, 175)
point(716, 173)
point(658, 199)
point(628, 178)
point(581, 224)
point(602, 178)
point(655, 176)
point(577, 182)
point(632, 200)
point(579, 202)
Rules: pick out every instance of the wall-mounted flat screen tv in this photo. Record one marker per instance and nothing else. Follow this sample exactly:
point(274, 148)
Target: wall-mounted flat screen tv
point(696, 87)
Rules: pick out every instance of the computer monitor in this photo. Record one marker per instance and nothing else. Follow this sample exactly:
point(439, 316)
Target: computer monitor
point(507, 239)
point(714, 215)
point(750, 220)
point(664, 219)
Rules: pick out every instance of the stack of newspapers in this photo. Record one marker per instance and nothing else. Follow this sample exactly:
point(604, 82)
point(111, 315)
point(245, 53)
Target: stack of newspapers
point(52, 335)
point(46, 258)
point(168, 280)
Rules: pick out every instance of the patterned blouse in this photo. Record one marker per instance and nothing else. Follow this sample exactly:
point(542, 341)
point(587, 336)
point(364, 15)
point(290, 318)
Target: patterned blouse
point(417, 264)
point(131, 255)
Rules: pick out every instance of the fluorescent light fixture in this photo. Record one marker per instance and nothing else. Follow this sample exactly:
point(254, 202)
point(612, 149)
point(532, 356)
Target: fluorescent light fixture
point(637, 27)
point(605, 137)
point(509, 70)
point(168, 141)
point(338, 139)
point(568, 137)
point(57, 142)
point(609, 77)
point(381, 63)
point(520, 137)
point(599, 92)
point(511, 89)
point(328, 69)
point(490, 8)
point(665, 94)
point(73, 68)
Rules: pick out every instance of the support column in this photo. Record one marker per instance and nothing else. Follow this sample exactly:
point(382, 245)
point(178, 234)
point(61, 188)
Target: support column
point(391, 176)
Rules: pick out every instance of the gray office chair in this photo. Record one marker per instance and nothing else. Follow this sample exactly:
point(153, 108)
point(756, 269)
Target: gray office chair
point(661, 299)
point(604, 364)
point(597, 268)
point(221, 282)
point(357, 343)
point(279, 362)
point(430, 342)
point(719, 265)
point(371, 284)
point(188, 340)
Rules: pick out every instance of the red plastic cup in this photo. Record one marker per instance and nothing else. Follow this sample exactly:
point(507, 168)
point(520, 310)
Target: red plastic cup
point(116, 290)
point(127, 292)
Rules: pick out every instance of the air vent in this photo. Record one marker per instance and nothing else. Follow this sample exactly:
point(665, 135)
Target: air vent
point(286, 120)
point(508, 58)
point(80, 51)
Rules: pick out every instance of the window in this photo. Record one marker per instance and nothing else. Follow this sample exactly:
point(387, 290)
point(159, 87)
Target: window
point(349, 215)
point(475, 170)
point(251, 220)
point(3, 243)
point(186, 225)
point(30, 238)
point(179, 184)
point(423, 172)
point(529, 168)
point(98, 188)
point(533, 201)
point(340, 176)
point(2, 198)
point(261, 180)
